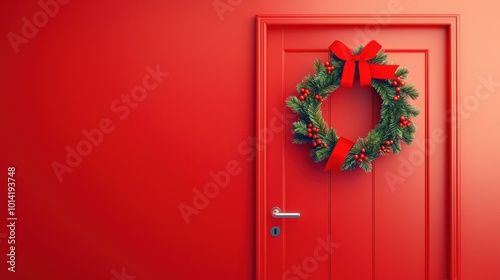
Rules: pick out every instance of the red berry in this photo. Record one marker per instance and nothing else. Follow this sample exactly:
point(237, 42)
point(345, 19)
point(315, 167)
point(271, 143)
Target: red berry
point(315, 136)
point(362, 156)
point(388, 151)
point(398, 89)
point(319, 141)
point(315, 129)
point(409, 120)
point(355, 156)
point(382, 147)
point(327, 63)
point(408, 125)
point(399, 78)
point(301, 98)
point(302, 90)
point(392, 142)
point(366, 158)
point(379, 151)
point(321, 99)
point(314, 144)
point(309, 135)
point(309, 130)
point(363, 150)
point(394, 83)
point(309, 125)
point(325, 145)
point(307, 91)
point(316, 96)
point(360, 160)
point(400, 124)
point(402, 83)
point(387, 143)
point(395, 98)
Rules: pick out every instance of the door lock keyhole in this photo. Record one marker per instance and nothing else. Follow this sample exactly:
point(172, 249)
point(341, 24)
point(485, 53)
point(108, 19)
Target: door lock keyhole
point(275, 231)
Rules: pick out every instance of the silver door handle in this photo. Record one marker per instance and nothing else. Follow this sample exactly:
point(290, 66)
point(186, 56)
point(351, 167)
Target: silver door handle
point(276, 213)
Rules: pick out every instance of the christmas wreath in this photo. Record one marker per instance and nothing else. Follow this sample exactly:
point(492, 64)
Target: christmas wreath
point(395, 125)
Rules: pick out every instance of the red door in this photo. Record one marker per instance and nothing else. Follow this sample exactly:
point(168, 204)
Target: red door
point(397, 222)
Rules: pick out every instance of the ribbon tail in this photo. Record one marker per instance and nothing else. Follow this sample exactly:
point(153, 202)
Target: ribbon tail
point(339, 154)
point(383, 72)
point(365, 76)
point(348, 74)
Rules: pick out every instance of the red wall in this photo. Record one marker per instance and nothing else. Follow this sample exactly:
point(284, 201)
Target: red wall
point(158, 139)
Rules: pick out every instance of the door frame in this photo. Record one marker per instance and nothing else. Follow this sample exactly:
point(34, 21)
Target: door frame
point(451, 23)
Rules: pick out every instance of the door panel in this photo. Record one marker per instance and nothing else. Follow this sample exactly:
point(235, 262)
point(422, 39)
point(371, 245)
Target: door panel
point(391, 223)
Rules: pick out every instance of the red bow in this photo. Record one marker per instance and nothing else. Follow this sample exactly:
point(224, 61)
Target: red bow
point(367, 71)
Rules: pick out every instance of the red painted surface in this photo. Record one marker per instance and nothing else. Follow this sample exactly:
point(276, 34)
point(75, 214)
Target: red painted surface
point(389, 224)
point(119, 208)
